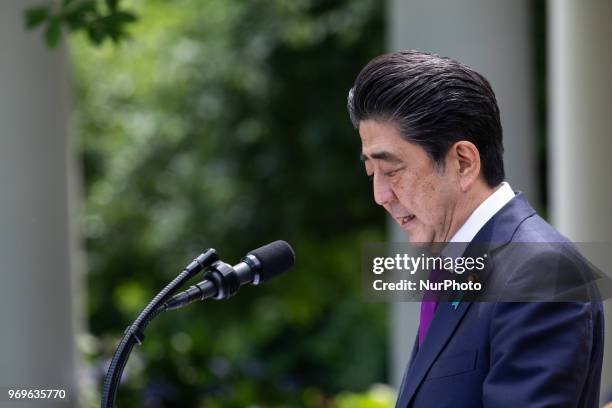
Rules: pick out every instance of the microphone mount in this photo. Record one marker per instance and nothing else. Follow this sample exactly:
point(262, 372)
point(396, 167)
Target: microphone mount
point(221, 281)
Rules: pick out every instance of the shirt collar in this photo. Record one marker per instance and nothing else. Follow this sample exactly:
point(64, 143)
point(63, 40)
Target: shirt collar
point(483, 213)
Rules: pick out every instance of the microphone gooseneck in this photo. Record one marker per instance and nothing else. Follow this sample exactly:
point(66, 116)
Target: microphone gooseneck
point(221, 281)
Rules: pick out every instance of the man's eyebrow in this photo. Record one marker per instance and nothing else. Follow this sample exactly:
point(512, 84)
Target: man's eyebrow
point(382, 155)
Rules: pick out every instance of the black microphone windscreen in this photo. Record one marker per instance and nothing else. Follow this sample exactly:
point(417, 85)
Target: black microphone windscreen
point(275, 258)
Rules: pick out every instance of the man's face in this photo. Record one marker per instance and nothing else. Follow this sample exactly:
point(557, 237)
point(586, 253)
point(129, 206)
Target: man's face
point(420, 197)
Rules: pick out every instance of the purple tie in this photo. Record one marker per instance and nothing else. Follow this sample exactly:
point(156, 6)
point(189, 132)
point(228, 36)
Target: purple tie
point(428, 305)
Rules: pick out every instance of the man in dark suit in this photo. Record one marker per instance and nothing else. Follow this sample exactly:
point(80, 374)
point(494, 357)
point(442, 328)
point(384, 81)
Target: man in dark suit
point(432, 145)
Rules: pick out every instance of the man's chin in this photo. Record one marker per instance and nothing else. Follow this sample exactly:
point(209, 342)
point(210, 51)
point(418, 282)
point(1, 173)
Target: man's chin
point(418, 241)
point(427, 246)
point(419, 244)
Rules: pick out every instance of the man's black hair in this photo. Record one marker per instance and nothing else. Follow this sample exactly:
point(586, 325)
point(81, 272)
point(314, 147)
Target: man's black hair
point(434, 102)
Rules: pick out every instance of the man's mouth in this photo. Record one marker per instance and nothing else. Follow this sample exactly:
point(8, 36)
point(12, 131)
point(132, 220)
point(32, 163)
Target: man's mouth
point(406, 219)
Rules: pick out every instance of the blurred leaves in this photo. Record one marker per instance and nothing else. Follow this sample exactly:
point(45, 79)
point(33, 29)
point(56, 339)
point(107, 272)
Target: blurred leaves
point(379, 396)
point(100, 20)
point(36, 15)
point(223, 124)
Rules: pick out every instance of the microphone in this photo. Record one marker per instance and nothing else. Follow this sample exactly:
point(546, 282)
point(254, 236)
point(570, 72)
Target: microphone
point(223, 281)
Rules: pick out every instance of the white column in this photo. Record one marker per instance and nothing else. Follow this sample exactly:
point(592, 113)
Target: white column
point(37, 317)
point(581, 137)
point(493, 37)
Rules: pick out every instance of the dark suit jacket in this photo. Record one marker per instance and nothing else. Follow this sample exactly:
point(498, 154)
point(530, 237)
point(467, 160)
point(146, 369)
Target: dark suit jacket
point(510, 354)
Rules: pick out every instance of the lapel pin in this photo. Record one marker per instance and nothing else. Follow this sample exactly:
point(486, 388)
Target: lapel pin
point(473, 278)
point(455, 303)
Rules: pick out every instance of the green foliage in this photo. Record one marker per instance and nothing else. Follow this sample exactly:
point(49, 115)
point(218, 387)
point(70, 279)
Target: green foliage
point(379, 396)
point(223, 124)
point(100, 20)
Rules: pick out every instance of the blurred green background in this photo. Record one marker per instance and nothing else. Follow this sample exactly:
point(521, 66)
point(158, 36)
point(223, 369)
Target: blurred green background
point(223, 124)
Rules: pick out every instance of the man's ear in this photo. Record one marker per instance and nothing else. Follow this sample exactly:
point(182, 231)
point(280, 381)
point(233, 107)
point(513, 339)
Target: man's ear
point(467, 162)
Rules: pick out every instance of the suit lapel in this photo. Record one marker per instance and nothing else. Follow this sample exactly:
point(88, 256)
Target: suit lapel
point(415, 349)
point(496, 232)
point(444, 323)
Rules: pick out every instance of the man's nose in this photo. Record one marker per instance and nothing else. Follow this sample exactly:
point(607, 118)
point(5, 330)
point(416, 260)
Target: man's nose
point(383, 193)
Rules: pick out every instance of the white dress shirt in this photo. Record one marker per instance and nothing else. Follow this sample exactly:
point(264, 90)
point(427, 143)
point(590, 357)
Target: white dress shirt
point(483, 213)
